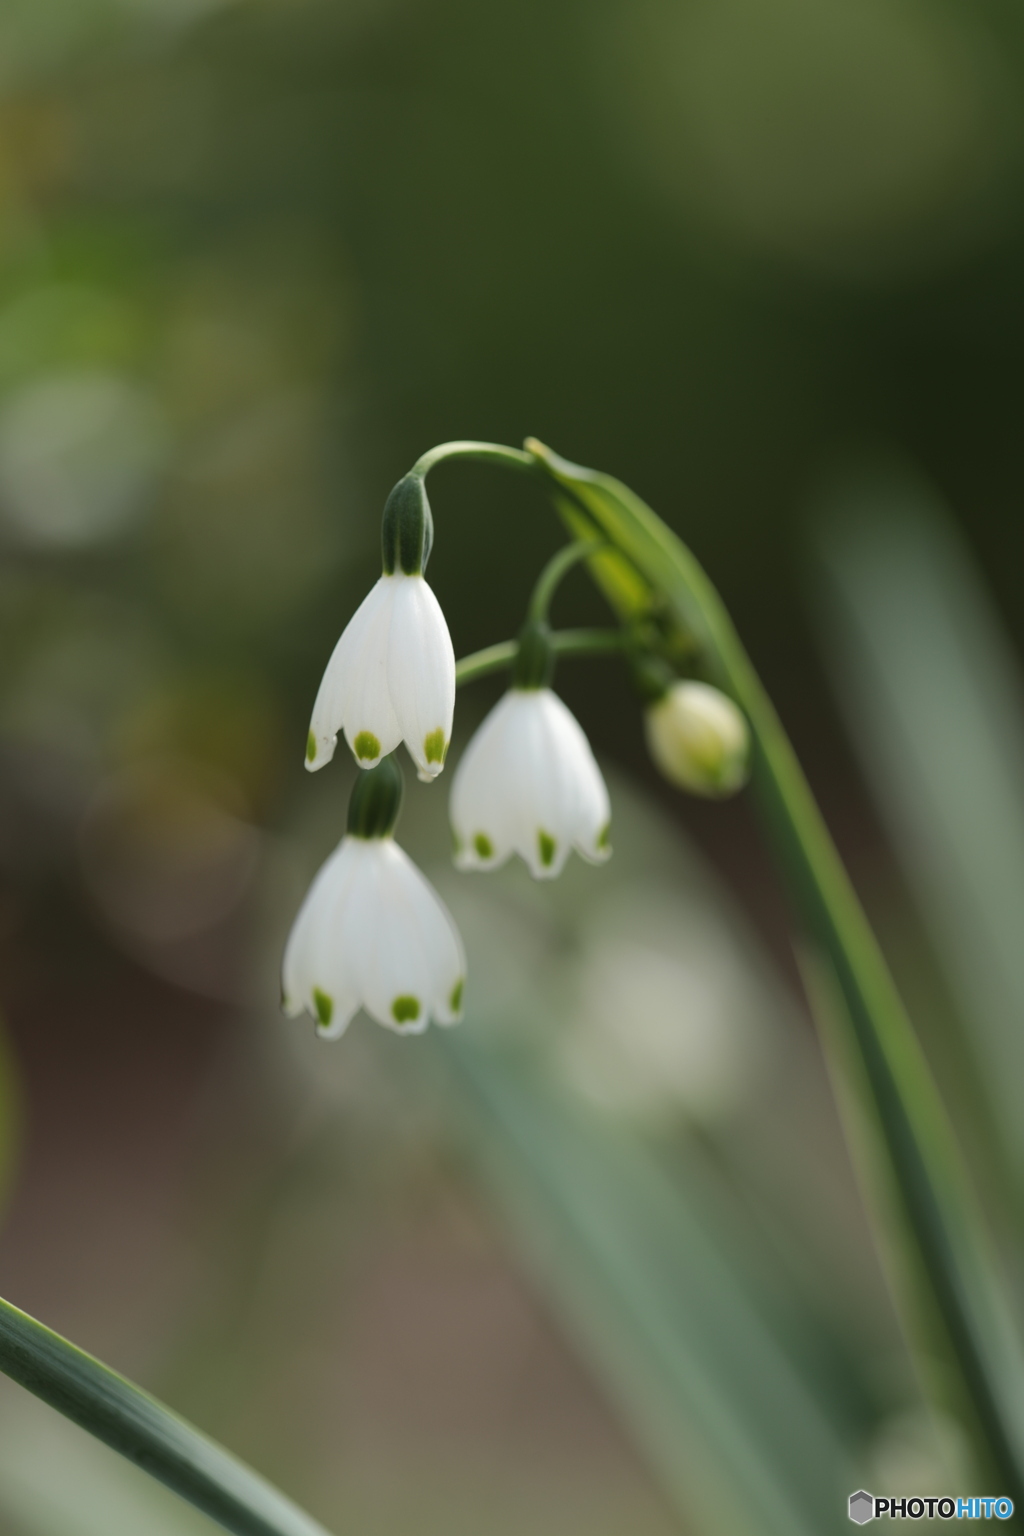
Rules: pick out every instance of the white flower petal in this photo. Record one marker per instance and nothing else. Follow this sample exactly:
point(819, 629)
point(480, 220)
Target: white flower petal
point(297, 967)
point(316, 974)
point(540, 788)
point(392, 973)
point(329, 708)
point(442, 946)
point(415, 960)
point(481, 809)
point(371, 729)
point(421, 673)
point(590, 813)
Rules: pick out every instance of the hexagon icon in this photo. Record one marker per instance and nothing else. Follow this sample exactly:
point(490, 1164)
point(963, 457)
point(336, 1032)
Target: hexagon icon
point(862, 1507)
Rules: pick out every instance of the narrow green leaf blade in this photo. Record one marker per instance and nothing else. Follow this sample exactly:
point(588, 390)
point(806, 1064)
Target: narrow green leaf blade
point(143, 1430)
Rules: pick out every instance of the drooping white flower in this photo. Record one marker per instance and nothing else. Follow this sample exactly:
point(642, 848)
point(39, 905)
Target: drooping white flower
point(372, 931)
point(391, 678)
point(528, 784)
point(392, 674)
point(699, 739)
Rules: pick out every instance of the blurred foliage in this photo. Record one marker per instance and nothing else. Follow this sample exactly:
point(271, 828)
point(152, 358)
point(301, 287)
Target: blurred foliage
point(932, 693)
point(10, 1116)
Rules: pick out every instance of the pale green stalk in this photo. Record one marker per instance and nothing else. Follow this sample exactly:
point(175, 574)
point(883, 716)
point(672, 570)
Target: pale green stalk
point(558, 567)
point(564, 642)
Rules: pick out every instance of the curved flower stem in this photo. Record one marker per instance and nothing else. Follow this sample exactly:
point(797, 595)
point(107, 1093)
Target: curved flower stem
point(932, 1238)
point(144, 1431)
point(565, 642)
point(491, 453)
point(556, 569)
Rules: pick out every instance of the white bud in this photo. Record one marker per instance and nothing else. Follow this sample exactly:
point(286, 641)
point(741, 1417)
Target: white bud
point(699, 739)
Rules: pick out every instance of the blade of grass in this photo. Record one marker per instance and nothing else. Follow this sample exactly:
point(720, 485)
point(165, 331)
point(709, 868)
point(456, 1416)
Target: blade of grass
point(143, 1430)
point(951, 1300)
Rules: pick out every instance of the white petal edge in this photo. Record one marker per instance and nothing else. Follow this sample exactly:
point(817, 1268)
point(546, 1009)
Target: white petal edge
point(480, 806)
point(330, 707)
point(591, 807)
point(369, 715)
point(316, 959)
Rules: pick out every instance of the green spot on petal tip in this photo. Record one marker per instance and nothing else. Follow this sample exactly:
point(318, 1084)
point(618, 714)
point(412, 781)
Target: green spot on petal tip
point(324, 1006)
point(483, 845)
point(366, 746)
point(435, 747)
point(604, 837)
point(547, 845)
point(405, 1008)
point(310, 748)
point(455, 1001)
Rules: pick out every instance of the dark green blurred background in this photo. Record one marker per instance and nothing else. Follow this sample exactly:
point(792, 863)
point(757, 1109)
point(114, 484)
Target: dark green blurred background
point(255, 257)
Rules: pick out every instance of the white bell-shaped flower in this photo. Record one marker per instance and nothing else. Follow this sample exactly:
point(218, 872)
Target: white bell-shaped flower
point(528, 783)
point(372, 931)
point(699, 739)
point(391, 677)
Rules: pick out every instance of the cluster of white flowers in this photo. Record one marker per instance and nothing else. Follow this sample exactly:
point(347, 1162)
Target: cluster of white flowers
point(372, 931)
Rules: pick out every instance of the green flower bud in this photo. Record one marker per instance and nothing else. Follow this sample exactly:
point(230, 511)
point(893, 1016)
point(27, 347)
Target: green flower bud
point(376, 800)
point(407, 530)
point(699, 739)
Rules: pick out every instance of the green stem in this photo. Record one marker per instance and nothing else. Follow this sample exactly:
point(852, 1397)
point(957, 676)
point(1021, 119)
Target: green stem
point(951, 1294)
point(488, 453)
point(144, 1431)
point(565, 642)
point(558, 567)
